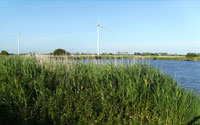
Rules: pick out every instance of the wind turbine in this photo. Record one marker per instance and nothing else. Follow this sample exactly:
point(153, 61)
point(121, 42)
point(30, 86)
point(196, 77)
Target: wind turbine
point(98, 35)
point(19, 43)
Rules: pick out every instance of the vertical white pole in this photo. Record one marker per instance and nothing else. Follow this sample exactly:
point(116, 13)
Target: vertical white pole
point(19, 44)
point(98, 39)
point(98, 35)
point(54, 33)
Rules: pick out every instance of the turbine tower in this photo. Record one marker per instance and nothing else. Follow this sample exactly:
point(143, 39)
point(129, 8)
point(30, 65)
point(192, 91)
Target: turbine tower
point(98, 35)
point(19, 43)
point(18, 36)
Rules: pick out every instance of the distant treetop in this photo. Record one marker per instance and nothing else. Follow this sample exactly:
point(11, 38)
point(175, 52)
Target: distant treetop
point(189, 55)
point(3, 52)
point(60, 52)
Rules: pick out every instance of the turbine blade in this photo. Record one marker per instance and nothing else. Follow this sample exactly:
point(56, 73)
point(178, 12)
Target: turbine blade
point(106, 28)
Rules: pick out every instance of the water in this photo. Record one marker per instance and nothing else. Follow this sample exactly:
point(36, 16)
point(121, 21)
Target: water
point(186, 73)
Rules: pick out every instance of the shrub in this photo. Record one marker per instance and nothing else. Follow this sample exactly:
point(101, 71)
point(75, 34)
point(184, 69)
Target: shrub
point(60, 52)
point(189, 55)
point(3, 52)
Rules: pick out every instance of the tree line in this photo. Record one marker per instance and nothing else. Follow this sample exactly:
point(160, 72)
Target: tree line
point(60, 51)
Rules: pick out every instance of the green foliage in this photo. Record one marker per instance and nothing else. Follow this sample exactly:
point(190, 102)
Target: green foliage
point(150, 54)
point(107, 54)
point(137, 53)
point(77, 93)
point(189, 55)
point(163, 54)
point(60, 52)
point(3, 52)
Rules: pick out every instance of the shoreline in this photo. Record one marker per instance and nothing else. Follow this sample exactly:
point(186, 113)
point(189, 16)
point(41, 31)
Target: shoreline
point(171, 58)
point(79, 57)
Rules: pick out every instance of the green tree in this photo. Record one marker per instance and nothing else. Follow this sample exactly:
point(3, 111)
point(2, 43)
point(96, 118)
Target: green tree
point(189, 55)
point(137, 53)
point(3, 52)
point(163, 54)
point(60, 52)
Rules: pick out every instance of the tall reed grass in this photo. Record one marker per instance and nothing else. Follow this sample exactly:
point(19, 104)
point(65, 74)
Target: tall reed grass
point(78, 93)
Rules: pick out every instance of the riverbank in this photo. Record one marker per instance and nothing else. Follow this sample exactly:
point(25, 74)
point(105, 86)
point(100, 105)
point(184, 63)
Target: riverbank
point(78, 57)
point(75, 57)
point(77, 93)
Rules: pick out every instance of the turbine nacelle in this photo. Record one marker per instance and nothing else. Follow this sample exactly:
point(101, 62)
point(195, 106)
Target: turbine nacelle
point(99, 25)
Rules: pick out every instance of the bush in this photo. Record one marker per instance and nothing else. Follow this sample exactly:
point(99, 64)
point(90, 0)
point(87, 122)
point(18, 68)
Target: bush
point(189, 55)
point(3, 52)
point(60, 52)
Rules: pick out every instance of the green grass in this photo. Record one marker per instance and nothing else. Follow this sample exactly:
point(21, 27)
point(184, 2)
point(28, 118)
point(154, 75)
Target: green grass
point(79, 57)
point(94, 57)
point(77, 93)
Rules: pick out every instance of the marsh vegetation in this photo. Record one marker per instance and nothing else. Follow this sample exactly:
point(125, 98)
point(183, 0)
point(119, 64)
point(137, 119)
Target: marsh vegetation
point(32, 92)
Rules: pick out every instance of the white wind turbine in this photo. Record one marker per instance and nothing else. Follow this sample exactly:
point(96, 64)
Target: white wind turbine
point(19, 42)
point(98, 35)
point(18, 36)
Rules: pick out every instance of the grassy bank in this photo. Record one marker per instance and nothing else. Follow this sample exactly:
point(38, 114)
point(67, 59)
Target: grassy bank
point(93, 57)
point(55, 93)
point(75, 57)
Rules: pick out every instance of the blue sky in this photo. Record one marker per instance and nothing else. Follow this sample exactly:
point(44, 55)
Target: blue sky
point(171, 26)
